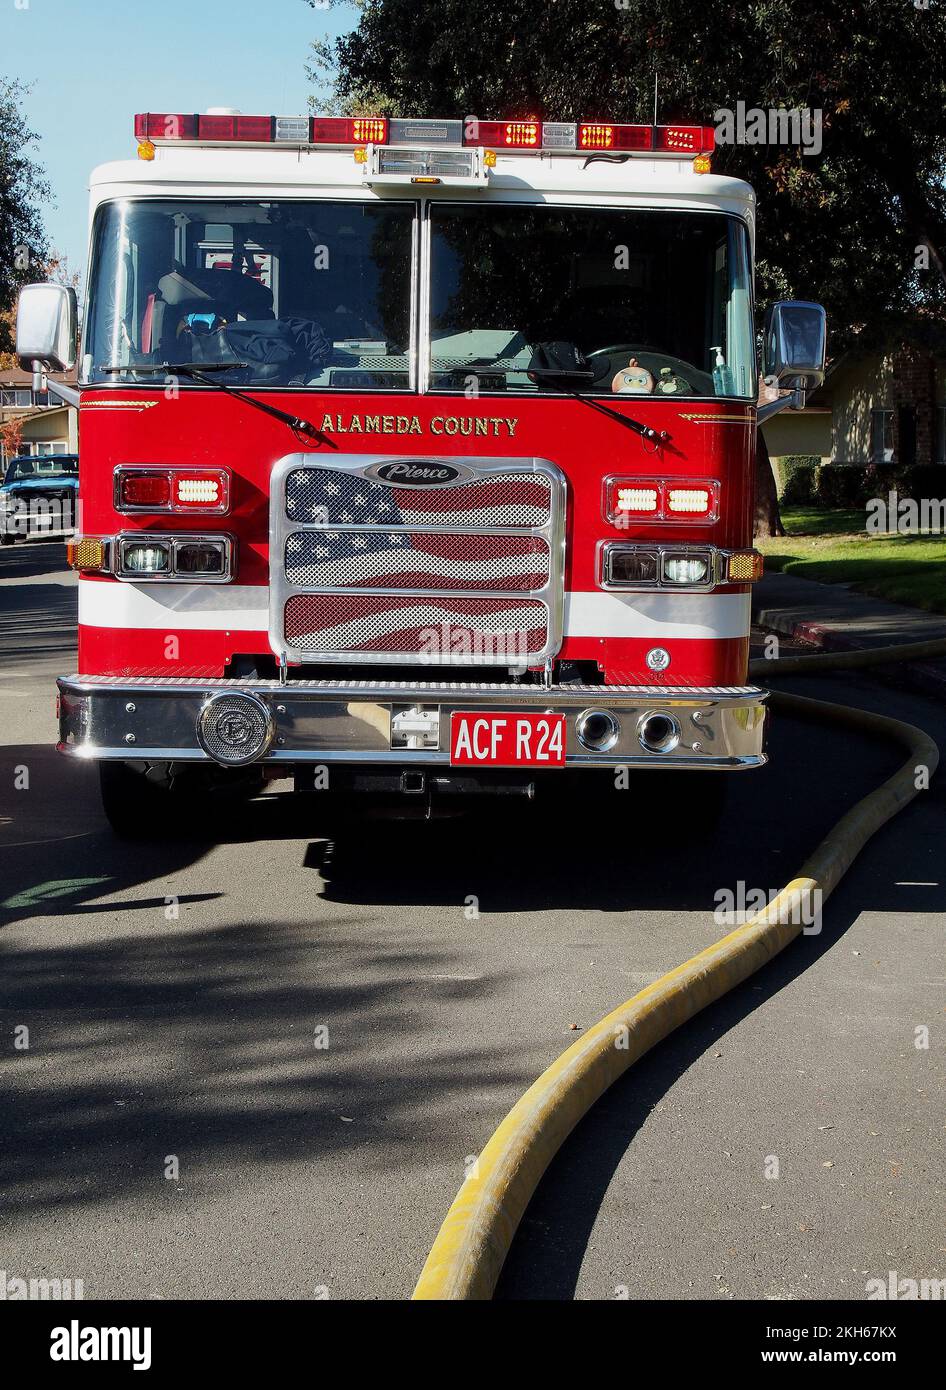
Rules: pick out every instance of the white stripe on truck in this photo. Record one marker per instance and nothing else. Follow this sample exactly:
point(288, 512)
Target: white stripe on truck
point(245, 608)
point(662, 616)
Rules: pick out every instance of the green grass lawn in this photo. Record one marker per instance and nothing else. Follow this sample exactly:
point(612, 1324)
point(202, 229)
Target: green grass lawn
point(834, 548)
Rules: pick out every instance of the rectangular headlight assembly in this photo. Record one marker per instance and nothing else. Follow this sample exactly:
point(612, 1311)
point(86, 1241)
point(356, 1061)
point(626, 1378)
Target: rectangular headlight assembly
point(680, 567)
point(142, 556)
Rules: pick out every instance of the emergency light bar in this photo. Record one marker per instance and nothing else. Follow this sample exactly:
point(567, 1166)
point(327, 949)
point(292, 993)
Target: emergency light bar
point(521, 136)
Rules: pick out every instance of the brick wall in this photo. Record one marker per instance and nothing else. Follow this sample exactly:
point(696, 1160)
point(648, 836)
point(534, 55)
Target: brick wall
point(914, 389)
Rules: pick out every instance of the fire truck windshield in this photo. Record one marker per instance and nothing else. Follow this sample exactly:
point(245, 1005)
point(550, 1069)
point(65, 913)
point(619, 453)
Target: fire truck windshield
point(666, 294)
point(314, 293)
point(522, 297)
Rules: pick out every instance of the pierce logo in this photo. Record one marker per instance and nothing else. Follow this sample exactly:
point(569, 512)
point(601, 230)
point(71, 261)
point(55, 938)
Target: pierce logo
point(418, 472)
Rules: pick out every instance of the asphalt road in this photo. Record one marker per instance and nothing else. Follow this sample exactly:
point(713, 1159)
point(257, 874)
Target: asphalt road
point(172, 996)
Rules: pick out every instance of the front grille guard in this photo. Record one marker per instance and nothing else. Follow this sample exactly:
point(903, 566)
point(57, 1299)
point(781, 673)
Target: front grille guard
point(430, 600)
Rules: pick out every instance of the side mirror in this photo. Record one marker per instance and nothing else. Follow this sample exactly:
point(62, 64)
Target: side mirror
point(47, 319)
point(794, 340)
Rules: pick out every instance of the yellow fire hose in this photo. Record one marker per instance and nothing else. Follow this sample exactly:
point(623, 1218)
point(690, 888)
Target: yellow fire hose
point(468, 1254)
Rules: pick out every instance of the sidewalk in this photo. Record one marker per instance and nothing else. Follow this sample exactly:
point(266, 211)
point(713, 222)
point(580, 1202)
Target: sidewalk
point(834, 619)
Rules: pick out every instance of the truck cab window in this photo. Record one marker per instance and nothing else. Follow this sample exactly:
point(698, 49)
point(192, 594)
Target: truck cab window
point(655, 302)
point(303, 293)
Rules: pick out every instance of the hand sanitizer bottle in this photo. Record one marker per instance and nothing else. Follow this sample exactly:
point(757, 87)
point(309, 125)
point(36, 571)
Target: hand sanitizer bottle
point(720, 374)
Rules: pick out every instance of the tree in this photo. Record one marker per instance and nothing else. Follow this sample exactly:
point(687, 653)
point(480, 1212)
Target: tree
point(23, 250)
point(859, 223)
point(11, 436)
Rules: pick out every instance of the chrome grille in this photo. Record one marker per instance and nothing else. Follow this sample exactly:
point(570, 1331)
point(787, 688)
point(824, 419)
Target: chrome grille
point(364, 569)
point(329, 497)
point(416, 560)
point(426, 628)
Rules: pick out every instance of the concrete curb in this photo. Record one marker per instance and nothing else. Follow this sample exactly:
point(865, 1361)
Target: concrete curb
point(927, 680)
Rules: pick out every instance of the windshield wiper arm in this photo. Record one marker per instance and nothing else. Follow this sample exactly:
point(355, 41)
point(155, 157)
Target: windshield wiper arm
point(200, 372)
point(645, 431)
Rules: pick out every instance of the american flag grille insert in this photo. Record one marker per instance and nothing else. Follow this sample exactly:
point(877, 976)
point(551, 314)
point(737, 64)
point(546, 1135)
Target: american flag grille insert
point(365, 569)
point(328, 497)
point(461, 628)
point(326, 559)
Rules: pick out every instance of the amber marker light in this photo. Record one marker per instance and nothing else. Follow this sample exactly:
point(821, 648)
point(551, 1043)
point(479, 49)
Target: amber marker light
point(89, 554)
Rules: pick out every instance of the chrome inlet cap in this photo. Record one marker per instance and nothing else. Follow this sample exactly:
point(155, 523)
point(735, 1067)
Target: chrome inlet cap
point(235, 728)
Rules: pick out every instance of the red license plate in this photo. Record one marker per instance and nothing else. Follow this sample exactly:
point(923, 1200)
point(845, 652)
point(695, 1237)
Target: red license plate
point(506, 740)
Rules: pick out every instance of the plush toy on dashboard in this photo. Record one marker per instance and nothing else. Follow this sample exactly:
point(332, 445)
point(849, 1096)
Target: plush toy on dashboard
point(633, 380)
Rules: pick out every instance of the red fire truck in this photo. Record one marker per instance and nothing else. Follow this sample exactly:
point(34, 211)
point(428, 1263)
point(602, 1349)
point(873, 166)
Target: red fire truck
point(415, 456)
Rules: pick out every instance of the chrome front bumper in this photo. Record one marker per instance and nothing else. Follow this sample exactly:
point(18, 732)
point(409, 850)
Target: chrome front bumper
point(402, 722)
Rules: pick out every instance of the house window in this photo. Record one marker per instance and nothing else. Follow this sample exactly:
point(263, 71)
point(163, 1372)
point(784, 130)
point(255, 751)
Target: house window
point(906, 435)
point(58, 446)
point(881, 436)
point(15, 398)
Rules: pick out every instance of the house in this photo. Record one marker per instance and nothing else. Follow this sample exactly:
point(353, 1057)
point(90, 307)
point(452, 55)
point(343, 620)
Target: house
point(874, 407)
point(46, 425)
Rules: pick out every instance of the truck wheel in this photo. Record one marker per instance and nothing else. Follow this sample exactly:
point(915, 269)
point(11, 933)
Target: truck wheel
point(7, 540)
point(169, 801)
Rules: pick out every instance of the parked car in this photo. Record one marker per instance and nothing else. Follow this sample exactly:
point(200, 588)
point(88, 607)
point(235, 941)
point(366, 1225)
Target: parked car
point(38, 496)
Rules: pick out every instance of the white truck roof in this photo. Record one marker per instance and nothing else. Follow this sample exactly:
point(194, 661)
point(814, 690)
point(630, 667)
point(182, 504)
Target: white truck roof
point(225, 172)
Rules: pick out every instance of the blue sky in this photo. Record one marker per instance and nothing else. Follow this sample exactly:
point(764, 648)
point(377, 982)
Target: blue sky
point(94, 63)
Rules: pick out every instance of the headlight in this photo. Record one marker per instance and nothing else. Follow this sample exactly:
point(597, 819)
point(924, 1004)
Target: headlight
point(628, 565)
point(204, 559)
point(686, 569)
point(139, 557)
point(200, 557)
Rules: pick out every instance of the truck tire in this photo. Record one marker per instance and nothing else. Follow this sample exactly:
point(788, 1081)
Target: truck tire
point(168, 801)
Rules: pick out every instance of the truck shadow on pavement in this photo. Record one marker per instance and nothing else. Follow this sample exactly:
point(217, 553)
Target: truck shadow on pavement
point(195, 1036)
point(619, 853)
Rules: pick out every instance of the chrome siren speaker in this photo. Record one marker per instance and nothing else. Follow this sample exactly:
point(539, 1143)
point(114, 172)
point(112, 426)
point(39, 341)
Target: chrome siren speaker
point(235, 728)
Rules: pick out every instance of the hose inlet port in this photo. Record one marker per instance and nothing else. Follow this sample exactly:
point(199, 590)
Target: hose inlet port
point(597, 730)
point(658, 733)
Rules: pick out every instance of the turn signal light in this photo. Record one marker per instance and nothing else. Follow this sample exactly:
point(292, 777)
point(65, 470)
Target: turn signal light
point(691, 500)
point(347, 130)
point(199, 492)
point(519, 135)
point(88, 554)
point(140, 489)
point(745, 567)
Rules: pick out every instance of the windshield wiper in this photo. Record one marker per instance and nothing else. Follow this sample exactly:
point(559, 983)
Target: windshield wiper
point(199, 372)
point(645, 431)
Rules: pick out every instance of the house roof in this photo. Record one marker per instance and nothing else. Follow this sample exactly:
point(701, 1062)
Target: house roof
point(17, 377)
